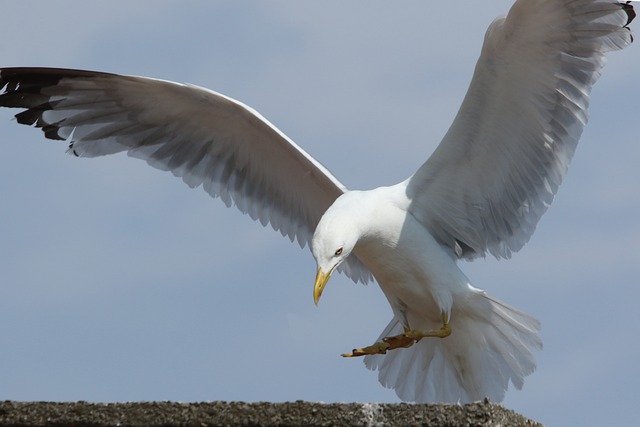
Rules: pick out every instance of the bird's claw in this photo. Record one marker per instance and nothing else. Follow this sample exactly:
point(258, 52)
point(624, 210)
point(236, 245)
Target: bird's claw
point(387, 343)
point(405, 340)
point(377, 348)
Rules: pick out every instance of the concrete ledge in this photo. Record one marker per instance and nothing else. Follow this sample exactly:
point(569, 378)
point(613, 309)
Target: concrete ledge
point(256, 414)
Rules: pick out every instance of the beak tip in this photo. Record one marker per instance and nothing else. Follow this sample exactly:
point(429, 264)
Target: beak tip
point(321, 281)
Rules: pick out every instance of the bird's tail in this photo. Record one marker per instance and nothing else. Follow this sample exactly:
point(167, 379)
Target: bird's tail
point(491, 344)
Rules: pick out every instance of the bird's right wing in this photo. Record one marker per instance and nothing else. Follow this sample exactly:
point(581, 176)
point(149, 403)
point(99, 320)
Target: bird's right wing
point(201, 136)
point(500, 164)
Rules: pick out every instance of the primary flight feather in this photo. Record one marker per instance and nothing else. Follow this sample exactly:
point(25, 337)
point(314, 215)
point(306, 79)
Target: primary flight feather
point(482, 191)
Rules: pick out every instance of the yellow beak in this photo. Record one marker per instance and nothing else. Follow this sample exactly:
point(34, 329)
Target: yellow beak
point(321, 282)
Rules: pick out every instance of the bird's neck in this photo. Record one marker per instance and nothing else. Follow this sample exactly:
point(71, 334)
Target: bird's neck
point(377, 216)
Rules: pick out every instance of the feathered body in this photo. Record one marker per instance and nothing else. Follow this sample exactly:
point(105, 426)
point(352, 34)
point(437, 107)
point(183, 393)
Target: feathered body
point(491, 343)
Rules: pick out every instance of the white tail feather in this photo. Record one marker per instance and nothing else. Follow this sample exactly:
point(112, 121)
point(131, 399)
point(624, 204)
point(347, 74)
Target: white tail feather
point(491, 344)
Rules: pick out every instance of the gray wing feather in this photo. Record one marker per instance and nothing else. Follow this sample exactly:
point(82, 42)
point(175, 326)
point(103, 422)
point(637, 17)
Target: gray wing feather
point(500, 164)
point(201, 136)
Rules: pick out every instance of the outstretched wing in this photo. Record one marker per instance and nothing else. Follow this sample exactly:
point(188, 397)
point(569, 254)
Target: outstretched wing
point(500, 164)
point(201, 136)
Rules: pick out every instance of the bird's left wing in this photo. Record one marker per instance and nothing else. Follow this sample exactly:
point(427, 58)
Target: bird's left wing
point(201, 136)
point(500, 164)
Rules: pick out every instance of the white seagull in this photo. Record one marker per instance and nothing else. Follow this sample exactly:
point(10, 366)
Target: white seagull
point(482, 191)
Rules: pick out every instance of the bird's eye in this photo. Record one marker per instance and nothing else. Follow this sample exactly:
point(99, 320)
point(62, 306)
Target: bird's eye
point(338, 252)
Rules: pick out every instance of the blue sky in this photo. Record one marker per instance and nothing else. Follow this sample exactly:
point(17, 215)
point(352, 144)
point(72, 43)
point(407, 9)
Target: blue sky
point(119, 283)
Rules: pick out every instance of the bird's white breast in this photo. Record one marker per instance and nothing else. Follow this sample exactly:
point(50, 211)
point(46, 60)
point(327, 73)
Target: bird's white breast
point(413, 270)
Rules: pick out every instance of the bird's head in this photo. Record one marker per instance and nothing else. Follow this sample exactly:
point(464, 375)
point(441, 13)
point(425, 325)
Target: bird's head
point(335, 237)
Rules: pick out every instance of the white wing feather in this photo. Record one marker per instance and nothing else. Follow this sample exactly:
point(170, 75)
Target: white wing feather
point(500, 164)
point(201, 136)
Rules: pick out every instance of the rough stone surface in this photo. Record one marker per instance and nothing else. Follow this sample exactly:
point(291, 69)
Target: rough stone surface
point(299, 413)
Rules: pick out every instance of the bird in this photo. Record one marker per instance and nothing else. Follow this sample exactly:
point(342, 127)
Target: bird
point(481, 192)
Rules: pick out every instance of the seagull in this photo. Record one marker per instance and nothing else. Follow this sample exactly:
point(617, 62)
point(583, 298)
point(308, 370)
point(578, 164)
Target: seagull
point(480, 193)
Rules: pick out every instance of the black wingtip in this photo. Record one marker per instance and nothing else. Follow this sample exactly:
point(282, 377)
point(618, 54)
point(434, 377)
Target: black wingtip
point(25, 88)
point(629, 10)
point(72, 150)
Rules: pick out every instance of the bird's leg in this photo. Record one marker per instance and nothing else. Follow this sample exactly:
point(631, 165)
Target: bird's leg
point(404, 340)
point(416, 334)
